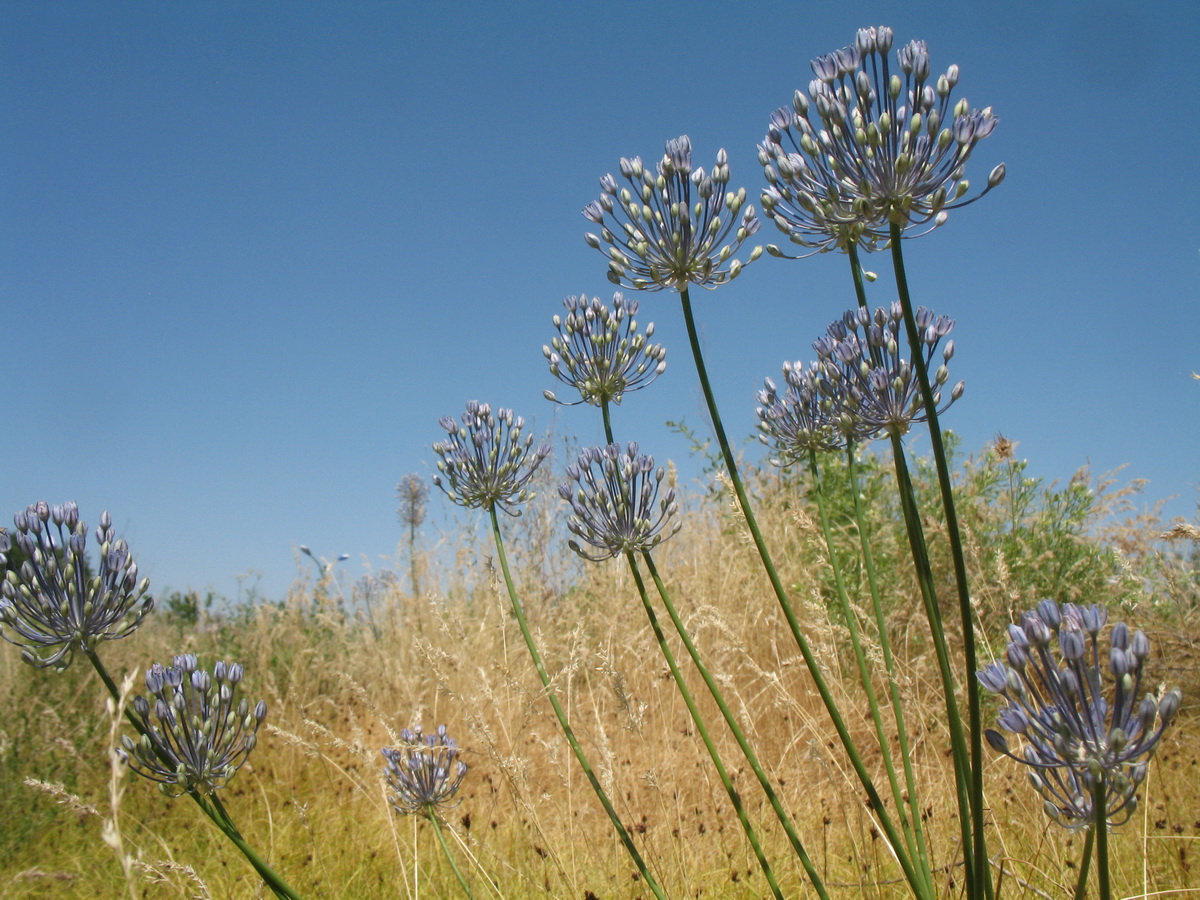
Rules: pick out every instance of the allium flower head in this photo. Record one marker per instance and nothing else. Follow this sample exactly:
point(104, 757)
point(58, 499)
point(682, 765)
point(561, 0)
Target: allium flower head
point(890, 147)
point(484, 463)
point(615, 503)
point(864, 368)
point(1077, 710)
point(672, 227)
point(599, 352)
point(424, 772)
point(803, 419)
point(49, 606)
point(196, 734)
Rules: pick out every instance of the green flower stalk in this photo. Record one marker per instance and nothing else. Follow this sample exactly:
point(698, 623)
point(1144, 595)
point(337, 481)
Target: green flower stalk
point(485, 464)
point(690, 263)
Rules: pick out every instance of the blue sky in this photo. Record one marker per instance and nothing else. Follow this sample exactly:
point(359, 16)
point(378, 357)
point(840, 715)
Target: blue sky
point(251, 252)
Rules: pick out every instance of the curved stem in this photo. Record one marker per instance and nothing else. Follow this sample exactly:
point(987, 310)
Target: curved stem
point(739, 735)
point(437, 829)
point(1084, 865)
point(975, 726)
point(715, 691)
point(1100, 804)
point(920, 555)
point(519, 612)
point(814, 669)
point(701, 728)
point(889, 663)
point(864, 674)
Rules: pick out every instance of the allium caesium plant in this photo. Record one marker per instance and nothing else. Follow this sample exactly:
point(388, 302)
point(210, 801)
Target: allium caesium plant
point(1075, 710)
point(802, 420)
point(1058, 682)
point(599, 352)
point(890, 148)
point(424, 773)
point(484, 463)
point(615, 505)
point(49, 606)
point(195, 733)
point(870, 374)
point(674, 226)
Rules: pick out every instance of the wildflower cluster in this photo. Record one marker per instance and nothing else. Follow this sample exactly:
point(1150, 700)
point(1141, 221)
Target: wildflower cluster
point(197, 734)
point(615, 505)
point(673, 227)
point(876, 385)
point(1075, 735)
point(801, 420)
point(599, 352)
point(889, 150)
point(484, 463)
point(50, 606)
point(425, 772)
point(861, 385)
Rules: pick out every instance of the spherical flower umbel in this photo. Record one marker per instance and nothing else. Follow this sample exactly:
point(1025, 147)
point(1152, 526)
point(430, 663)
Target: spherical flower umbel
point(891, 148)
point(49, 605)
point(424, 773)
point(615, 503)
point(674, 227)
point(599, 352)
point(875, 385)
point(1076, 729)
point(197, 733)
point(803, 420)
point(485, 463)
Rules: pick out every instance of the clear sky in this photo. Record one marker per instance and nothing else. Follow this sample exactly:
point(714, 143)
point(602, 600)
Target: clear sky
point(250, 252)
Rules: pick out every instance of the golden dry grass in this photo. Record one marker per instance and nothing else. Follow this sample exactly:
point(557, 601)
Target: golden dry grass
point(339, 686)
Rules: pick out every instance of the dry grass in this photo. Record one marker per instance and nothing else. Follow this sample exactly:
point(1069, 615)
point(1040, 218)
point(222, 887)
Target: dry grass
point(339, 686)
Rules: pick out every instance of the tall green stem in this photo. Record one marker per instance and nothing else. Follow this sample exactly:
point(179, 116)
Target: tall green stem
point(701, 728)
point(960, 566)
point(920, 556)
point(437, 829)
point(889, 664)
point(519, 612)
point(1100, 804)
point(1085, 863)
point(916, 850)
point(735, 729)
point(873, 799)
point(715, 691)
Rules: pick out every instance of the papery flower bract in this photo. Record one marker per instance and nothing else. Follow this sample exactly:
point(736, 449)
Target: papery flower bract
point(197, 734)
point(802, 420)
point(874, 383)
point(672, 227)
point(49, 606)
point(615, 506)
point(1074, 732)
point(425, 772)
point(889, 149)
point(599, 352)
point(484, 463)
